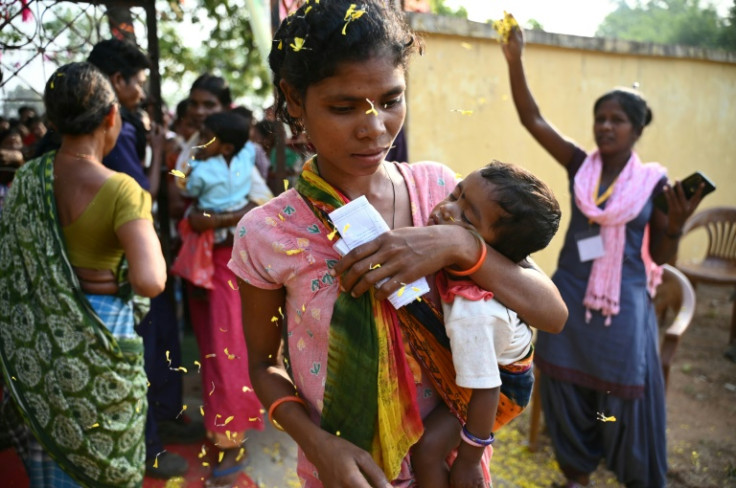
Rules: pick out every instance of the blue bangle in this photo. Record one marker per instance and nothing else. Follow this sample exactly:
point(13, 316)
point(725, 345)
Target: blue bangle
point(478, 440)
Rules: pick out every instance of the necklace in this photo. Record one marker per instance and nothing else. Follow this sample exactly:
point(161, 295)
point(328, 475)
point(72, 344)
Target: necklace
point(393, 191)
point(87, 157)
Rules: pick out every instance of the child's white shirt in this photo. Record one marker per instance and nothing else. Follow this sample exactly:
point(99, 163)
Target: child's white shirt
point(483, 335)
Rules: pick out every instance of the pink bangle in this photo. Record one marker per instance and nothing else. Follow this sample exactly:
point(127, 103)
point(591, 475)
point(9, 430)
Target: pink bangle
point(481, 259)
point(469, 438)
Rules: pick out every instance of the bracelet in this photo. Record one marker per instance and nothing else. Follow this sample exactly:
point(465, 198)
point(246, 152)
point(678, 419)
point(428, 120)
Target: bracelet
point(288, 398)
point(676, 235)
point(478, 264)
point(469, 438)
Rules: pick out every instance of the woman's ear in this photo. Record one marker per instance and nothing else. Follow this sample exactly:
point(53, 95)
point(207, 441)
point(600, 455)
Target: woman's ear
point(294, 102)
point(112, 114)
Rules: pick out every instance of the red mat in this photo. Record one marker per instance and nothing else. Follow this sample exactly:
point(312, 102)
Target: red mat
point(14, 475)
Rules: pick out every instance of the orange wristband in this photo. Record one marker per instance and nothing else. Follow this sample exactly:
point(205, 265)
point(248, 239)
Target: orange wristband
point(288, 398)
point(478, 264)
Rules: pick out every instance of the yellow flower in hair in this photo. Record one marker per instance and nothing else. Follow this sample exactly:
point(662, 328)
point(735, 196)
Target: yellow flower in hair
point(351, 15)
point(297, 45)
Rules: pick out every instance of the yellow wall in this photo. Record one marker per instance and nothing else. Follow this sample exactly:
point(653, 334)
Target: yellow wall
point(693, 100)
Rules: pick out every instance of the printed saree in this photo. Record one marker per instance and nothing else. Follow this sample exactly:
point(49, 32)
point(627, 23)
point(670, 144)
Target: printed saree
point(81, 391)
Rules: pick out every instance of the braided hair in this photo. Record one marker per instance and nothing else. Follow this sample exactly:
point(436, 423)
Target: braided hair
point(311, 43)
point(78, 96)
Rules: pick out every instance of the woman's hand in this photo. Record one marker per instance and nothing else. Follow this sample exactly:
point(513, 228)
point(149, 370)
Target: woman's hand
point(512, 49)
point(339, 462)
point(157, 138)
point(679, 207)
point(665, 230)
point(342, 464)
point(405, 255)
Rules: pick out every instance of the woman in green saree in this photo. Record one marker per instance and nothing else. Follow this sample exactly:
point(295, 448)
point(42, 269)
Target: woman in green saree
point(77, 242)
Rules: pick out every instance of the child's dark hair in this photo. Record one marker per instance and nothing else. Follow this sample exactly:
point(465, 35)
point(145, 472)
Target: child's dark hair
point(632, 103)
point(244, 112)
point(533, 212)
point(78, 96)
point(230, 128)
point(217, 86)
point(116, 56)
point(266, 128)
point(311, 43)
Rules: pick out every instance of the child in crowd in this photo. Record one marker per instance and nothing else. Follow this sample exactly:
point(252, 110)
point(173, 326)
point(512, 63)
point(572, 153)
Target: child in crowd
point(219, 179)
point(515, 213)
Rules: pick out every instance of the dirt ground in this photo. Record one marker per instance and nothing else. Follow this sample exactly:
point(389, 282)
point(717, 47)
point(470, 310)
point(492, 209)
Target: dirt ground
point(701, 409)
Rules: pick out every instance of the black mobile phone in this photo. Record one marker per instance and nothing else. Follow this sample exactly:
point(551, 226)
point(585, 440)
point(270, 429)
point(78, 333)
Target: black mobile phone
point(689, 185)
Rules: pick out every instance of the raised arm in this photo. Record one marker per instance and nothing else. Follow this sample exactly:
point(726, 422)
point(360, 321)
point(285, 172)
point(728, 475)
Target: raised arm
point(531, 118)
point(409, 253)
point(338, 462)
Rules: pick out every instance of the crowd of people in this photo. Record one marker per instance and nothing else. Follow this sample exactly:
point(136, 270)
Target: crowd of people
point(373, 395)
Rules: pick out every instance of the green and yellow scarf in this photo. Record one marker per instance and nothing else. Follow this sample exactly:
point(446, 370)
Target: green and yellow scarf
point(368, 375)
point(81, 391)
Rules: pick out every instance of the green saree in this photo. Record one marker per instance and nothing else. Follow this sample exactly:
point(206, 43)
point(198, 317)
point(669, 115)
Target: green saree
point(81, 391)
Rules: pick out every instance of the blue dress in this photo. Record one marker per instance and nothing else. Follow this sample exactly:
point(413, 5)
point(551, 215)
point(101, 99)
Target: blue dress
point(590, 368)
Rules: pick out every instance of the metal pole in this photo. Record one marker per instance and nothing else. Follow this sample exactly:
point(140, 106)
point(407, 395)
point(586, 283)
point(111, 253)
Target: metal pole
point(154, 93)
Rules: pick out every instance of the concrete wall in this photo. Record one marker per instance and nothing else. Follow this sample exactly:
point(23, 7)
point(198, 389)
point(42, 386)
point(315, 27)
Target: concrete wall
point(692, 93)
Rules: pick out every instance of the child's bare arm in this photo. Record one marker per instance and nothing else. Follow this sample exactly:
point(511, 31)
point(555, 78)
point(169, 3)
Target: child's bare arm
point(466, 471)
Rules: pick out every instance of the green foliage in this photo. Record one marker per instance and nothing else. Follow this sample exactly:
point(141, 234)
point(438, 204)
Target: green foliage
point(685, 22)
point(221, 27)
point(438, 7)
point(534, 24)
point(227, 49)
point(728, 34)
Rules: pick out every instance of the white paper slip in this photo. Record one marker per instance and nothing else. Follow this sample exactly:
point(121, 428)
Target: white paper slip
point(359, 222)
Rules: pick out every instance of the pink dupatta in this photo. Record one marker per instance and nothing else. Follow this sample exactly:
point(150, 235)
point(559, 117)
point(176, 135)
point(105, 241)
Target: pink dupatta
point(633, 189)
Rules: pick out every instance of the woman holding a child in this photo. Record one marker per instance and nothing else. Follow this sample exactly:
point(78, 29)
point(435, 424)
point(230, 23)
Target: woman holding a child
point(343, 385)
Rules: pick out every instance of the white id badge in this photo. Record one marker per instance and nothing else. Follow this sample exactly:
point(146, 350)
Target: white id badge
point(590, 244)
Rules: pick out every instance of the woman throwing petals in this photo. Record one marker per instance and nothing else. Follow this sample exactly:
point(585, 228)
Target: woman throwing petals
point(605, 363)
